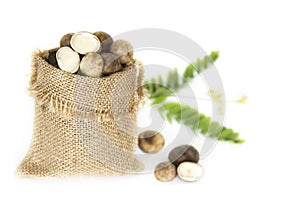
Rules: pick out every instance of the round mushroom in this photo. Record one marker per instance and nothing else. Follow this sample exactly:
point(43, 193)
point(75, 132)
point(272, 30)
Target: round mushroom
point(111, 63)
point(123, 50)
point(189, 171)
point(65, 40)
point(165, 172)
point(105, 40)
point(183, 153)
point(151, 141)
point(51, 59)
point(91, 65)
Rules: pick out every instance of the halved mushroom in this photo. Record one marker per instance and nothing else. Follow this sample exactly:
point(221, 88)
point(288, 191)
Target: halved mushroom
point(84, 42)
point(189, 171)
point(67, 59)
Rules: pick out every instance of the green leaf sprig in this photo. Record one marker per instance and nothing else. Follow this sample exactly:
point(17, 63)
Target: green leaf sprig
point(159, 90)
point(197, 122)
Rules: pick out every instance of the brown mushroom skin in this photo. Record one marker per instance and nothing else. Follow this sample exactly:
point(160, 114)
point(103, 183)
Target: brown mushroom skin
point(91, 65)
point(65, 40)
point(51, 59)
point(165, 172)
point(111, 64)
point(105, 40)
point(184, 153)
point(124, 59)
point(151, 141)
point(123, 49)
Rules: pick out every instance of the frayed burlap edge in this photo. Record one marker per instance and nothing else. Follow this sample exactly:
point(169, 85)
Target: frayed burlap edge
point(66, 109)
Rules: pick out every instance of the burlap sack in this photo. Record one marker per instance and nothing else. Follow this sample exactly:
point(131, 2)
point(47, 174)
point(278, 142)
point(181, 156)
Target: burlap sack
point(83, 125)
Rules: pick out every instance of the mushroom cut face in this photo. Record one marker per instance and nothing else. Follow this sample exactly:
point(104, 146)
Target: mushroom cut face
point(67, 59)
point(189, 171)
point(85, 42)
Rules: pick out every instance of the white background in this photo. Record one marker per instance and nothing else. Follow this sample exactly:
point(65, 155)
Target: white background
point(259, 56)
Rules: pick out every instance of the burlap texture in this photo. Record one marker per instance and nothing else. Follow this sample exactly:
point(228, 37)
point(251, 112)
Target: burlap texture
point(83, 125)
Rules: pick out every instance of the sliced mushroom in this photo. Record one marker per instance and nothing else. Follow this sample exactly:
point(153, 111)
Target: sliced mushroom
point(183, 153)
point(65, 40)
point(165, 172)
point(189, 171)
point(85, 42)
point(91, 65)
point(105, 40)
point(67, 59)
point(111, 63)
point(123, 50)
point(151, 141)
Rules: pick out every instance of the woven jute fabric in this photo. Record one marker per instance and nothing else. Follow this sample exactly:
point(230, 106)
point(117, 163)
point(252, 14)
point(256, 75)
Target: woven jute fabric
point(83, 125)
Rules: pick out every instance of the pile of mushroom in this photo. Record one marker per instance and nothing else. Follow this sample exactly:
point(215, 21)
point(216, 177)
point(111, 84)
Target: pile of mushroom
point(91, 54)
point(183, 160)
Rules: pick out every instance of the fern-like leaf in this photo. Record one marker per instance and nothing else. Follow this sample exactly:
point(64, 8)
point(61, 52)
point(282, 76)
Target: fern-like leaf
point(198, 122)
point(173, 82)
point(160, 89)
